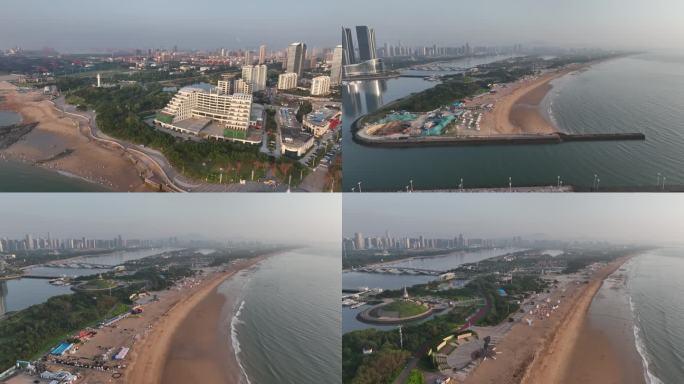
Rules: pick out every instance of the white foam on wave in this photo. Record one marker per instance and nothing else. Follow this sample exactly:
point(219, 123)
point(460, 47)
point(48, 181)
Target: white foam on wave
point(641, 347)
point(236, 342)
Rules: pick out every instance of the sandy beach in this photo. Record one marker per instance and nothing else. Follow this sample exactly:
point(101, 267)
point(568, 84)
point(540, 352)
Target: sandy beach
point(541, 353)
point(60, 144)
point(553, 362)
point(185, 344)
point(517, 105)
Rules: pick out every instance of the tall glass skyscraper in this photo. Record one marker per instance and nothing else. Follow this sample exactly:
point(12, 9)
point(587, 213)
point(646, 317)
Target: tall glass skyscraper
point(348, 54)
point(366, 39)
point(296, 54)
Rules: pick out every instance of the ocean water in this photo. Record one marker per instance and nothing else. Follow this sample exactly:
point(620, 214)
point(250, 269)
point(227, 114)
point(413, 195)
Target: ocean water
point(9, 118)
point(641, 93)
point(655, 288)
point(286, 323)
point(19, 177)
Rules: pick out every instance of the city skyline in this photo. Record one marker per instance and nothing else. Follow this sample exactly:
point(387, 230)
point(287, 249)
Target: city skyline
point(621, 25)
point(542, 216)
point(308, 219)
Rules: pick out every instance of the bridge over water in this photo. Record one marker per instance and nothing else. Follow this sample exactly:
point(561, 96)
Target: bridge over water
point(400, 271)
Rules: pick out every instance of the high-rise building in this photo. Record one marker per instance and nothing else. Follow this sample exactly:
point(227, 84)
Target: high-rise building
point(320, 86)
point(296, 54)
point(336, 67)
point(248, 58)
point(348, 53)
point(255, 75)
point(29, 242)
point(262, 54)
point(225, 87)
point(287, 81)
point(242, 86)
point(366, 39)
point(359, 242)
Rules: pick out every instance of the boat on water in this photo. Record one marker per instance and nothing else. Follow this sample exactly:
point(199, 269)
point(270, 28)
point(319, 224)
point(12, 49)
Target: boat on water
point(60, 282)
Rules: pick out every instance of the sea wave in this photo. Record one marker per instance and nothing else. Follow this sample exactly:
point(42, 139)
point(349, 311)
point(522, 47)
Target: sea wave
point(235, 341)
point(641, 347)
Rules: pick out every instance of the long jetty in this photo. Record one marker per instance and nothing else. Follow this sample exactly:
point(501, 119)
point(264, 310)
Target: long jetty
point(552, 138)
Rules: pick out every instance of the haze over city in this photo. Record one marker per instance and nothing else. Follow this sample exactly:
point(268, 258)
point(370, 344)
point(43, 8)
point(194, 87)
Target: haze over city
point(83, 26)
point(619, 218)
point(288, 218)
point(630, 24)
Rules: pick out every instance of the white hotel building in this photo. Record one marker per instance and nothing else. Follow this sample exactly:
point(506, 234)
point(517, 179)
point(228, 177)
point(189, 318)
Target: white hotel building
point(206, 109)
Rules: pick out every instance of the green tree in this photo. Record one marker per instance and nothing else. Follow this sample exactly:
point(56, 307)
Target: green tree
point(416, 377)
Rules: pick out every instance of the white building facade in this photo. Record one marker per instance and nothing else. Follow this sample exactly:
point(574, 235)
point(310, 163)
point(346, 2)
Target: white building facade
point(320, 86)
point(287, 81)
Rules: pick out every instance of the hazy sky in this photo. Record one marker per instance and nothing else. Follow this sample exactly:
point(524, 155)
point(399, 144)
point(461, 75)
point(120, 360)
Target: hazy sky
point(86, 25)
point(612, 217)
point(83, 25)
point(607, 23)
point(269, 217)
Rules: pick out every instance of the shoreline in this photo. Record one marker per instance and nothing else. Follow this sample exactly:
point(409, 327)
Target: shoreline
point(57, 144)
point(176, 350)
point(606, 349)
point(515, 119)
point(552, 363)
point(540, 353)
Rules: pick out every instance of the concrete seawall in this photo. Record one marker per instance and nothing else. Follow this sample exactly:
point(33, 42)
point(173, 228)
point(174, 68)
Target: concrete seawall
point(447, 141)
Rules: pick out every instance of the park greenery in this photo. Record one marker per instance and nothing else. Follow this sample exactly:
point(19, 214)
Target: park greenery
point(387, 360)
point(359, 368)
point(416, 377)
point(26, 334)
point(305, 107)
point(30, 332)
point(466, 85)
point(121, 112)
point(404, 308)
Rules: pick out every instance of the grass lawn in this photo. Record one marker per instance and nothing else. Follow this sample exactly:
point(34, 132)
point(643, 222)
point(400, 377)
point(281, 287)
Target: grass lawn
point(405, 308)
